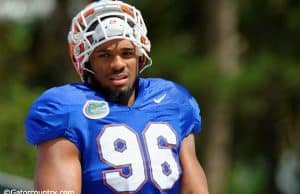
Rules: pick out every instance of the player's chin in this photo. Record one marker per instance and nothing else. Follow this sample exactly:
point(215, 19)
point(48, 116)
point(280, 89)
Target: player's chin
point(123, 86)
point(119, 88)
point(119, 94)
point(123, 91)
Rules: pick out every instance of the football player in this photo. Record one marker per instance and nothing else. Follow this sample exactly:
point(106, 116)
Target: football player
point(115, 132)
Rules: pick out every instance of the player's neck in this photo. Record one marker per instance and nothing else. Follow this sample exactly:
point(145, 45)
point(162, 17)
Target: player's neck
point(131, 99)
point(122, 98)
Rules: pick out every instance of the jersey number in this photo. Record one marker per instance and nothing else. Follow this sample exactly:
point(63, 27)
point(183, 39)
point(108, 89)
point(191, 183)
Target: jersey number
point(121, 148)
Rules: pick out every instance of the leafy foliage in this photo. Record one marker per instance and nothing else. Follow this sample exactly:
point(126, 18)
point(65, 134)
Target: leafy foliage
point(16, 156)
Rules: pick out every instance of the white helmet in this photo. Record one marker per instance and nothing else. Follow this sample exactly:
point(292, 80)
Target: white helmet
point(103, 21)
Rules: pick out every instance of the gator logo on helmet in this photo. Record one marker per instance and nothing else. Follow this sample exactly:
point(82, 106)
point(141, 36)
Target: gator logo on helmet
point(95, 109)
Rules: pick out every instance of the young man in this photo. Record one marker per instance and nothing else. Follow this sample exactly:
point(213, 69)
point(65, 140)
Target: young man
point(115, 132)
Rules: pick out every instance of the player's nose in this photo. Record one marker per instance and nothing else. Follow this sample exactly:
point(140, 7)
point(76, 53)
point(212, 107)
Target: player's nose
point(118, 63)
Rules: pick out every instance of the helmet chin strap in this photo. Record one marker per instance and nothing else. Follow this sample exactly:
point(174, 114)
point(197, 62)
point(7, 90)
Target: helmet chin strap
point(88, 70)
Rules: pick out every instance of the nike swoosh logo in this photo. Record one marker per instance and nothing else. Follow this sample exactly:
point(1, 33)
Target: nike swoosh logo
point(158, 100)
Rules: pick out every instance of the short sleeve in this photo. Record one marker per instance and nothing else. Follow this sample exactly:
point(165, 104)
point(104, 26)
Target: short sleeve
point(191, 117)
point(195, 111)
point(188, 109)
point(48, 119)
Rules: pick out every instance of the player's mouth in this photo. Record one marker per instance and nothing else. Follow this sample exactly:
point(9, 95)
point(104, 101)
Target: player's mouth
point(119, 79)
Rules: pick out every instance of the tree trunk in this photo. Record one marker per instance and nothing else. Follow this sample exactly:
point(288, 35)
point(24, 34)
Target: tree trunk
point(222, 43)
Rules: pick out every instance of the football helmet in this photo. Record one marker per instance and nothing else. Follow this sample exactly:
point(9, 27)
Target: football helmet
point(103, 21)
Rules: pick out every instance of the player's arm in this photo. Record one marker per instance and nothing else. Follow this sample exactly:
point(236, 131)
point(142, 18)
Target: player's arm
point(193, 178)
point(58, 166)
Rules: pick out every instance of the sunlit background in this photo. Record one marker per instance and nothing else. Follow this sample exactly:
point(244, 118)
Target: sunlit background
point(240, 59)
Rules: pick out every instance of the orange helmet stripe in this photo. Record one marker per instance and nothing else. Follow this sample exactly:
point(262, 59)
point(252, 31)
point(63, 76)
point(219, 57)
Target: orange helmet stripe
point(127, 10)
point(85, 15)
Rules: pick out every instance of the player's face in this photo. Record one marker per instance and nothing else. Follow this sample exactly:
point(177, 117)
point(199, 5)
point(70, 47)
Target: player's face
point(115, 64)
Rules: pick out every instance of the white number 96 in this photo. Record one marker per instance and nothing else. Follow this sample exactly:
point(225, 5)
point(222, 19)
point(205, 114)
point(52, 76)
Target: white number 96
point(121, 148)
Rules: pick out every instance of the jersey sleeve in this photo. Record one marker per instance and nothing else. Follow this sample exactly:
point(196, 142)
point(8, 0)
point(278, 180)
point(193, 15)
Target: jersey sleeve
point(48, 119)
point(191, 117)
point(189, 112)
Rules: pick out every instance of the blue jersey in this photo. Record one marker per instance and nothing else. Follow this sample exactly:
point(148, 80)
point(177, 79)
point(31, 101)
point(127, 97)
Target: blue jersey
point(123, 149)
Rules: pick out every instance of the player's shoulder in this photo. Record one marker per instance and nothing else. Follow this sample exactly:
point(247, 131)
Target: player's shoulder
point(65, 94)
point(50, 115)
point(164, 86)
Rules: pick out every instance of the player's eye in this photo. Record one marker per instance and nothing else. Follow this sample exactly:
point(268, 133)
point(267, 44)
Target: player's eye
point(128, 53)
point(103, 55)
